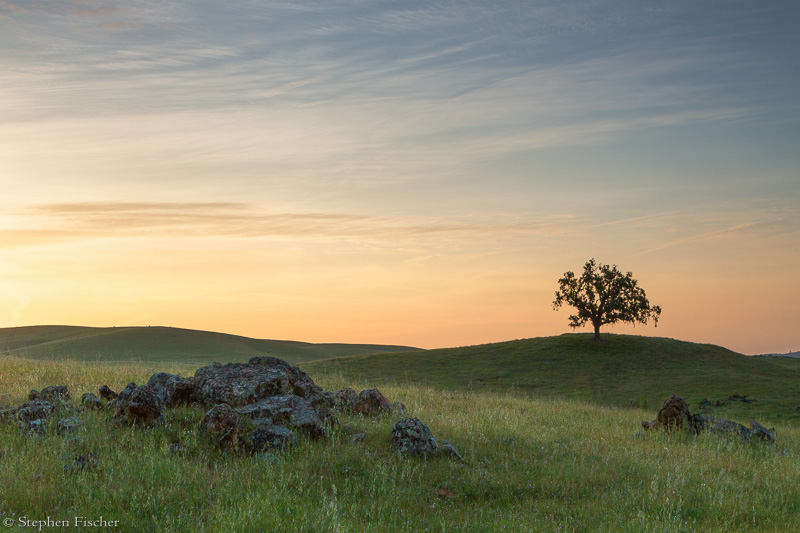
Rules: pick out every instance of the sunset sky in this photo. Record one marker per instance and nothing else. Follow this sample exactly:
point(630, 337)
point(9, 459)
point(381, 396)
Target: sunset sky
point(416, 173)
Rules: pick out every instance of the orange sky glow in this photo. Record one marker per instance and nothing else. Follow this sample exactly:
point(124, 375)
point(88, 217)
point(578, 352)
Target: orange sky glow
point(398, 174)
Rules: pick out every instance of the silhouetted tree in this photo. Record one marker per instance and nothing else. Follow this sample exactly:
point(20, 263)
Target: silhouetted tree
point(604, 295)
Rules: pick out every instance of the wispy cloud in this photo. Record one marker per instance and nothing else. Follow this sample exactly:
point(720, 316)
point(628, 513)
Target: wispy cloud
point(80, 221)
point(700, 237)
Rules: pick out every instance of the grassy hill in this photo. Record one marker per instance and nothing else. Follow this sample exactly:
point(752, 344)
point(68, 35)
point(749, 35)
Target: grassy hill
point(163, 344)
point(531, 464)
point(618, 371)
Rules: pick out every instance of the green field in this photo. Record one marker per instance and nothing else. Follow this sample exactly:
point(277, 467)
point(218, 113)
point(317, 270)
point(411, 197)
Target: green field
point(621, 370)
point(163, 344)
point(544, 426)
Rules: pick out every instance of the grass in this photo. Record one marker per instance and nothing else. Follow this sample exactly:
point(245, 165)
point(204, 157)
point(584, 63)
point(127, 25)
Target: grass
point(619, 371)
point(163, 345)
point(532, 464)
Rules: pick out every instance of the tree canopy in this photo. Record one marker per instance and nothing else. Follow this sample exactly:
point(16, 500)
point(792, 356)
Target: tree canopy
point(604, 295)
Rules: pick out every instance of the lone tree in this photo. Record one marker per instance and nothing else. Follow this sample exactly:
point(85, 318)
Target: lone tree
point(604, 295)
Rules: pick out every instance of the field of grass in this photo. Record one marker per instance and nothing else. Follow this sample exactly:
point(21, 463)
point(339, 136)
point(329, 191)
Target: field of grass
point(532, 464)
point(163, 345)
point(615, 372)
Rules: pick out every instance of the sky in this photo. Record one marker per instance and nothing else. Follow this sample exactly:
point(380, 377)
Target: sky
point(415, 173)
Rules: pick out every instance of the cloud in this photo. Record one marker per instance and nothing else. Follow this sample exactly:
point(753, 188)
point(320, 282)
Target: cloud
point(700, 237)
point(90, 220)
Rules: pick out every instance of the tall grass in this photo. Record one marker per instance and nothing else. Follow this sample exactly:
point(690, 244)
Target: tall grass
point(531, 465)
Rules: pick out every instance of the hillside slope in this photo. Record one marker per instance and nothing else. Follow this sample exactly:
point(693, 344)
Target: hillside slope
point(620, 370)
point(162, 344)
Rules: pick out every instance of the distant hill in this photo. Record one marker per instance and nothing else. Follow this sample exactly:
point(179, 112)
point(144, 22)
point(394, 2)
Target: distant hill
point(616, 371)
point(164, 344)
point(787, 354)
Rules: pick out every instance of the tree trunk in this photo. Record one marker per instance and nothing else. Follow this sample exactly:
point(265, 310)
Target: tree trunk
point(597, 332)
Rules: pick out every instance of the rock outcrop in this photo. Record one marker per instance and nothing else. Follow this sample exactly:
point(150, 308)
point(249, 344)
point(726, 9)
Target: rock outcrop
point(137, 405)
point(287, 410)
point(223, 426)
point(371, 402)
point(54, 393)
point(90, 401)
point(268, 437)
point(171, 389)
point(674, 414)
point(412, 437)
point(106, 393)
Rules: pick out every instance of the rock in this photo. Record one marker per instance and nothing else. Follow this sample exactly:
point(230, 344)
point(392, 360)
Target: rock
point(719, 425)
point(54, 393)
point(81, 463)
point(138, 405)
point(172, 389)
point(371, 402)
point(412, 437)
point(239, 384)
point(760, 432)
point(288, 410)
point(7, 414)
point(704, 403)
point(450, 449)
point(345, 400)
point(37, 428)
point(90, 401)
point(107, 394)
point(674, 414)
point(398, 407)
point(223, 426)
point(33, 410)
point(358, 437)
point(268, 436)
point(33, 395)
point(68, 425)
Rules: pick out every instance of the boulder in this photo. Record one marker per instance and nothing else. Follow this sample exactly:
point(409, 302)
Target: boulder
point(33, 395)
point(345, 400)
point(138, 405)
point(35, 428)
point(90, 401)
point(107, 394)
point(54, 393)
point(268, 436)
point(302, 385)
point(172, 389)
point(674, 414)
point(223, 425)
point(412, 437)
point(371, 402)
point(68, 425)
point(239, 384)
point(760, 432)
point(288, 410)
point(33, 410)
point(450, 449)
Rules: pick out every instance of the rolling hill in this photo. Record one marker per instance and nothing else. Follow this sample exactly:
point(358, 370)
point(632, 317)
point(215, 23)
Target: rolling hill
point(163, 344)
point(622, 370)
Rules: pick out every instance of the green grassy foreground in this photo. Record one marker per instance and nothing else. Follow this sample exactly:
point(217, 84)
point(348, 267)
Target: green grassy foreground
point(531, 465)
point(618, 371)
point(164, 345)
